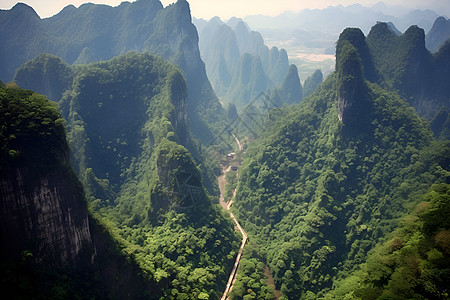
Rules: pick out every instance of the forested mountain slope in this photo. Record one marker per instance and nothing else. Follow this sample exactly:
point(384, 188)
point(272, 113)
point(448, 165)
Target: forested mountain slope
point(51, 246)
point(413, 263)
point(312, 82)
point(330, 178)
point(99, 32)
point(127, 124)
point(407, 67)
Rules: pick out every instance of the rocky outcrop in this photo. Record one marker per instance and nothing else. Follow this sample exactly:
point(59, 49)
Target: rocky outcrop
point(178, 96)
point(352, 89)
point(42, 206)
point(45, 214)
point(180, 185)
point(356, 37)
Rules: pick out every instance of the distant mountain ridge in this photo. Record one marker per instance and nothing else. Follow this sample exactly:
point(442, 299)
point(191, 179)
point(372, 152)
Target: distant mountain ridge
point(315, 31)
point(98, 32)
point(438, 35)
point(334, 19)
point(239, 64)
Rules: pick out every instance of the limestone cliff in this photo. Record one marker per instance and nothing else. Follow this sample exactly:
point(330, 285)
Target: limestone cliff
point(42, 207)
point(52, 248)
point(45, 214)
point(352, 105)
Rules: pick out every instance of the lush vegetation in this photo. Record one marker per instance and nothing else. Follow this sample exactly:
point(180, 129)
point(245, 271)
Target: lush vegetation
point(34, 147)
point(93, 33)
point(317, 195)
point(251, 280)
point(413, 263)
point(406, 66)
point(46, 74)
point(31, 129)
point(127, 127)
point(345, 195)
point(312, 82)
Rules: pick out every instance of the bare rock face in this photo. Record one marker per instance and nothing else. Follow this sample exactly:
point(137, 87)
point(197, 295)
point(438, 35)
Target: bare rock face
point(45, 215)
point(354, 106)
point(180, 181)
point(351, 84)
point(178, 96)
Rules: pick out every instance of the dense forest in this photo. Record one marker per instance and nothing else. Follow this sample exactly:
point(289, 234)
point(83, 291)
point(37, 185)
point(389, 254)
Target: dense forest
point(132, 110)
point(109, 189)
point(331, 179)
point(52, 248)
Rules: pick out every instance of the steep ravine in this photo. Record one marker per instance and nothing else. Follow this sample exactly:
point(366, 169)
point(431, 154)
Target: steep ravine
point(226, 206)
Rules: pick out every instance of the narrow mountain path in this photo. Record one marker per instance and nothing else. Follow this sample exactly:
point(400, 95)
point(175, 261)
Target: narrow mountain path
point(271, 282)
point(238, 142)
point(222, 183)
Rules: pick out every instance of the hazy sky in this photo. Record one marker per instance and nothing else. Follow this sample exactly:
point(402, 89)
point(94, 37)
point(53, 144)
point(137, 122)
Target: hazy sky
point(240, 8)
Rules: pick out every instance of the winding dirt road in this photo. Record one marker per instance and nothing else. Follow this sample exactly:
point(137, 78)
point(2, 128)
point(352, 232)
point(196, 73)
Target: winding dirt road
point(222, 182)
point(238, 142)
